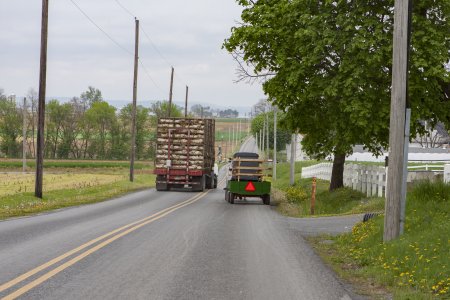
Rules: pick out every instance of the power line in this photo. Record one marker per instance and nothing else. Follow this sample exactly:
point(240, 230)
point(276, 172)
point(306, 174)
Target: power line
point(149, 76)
point(101, 29)
point(126, 10)
point(114, 41)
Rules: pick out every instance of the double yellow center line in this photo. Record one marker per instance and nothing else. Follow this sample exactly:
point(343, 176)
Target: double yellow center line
point(104, 240)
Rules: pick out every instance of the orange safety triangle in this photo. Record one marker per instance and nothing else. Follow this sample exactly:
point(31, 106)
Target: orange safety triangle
point(250, 187)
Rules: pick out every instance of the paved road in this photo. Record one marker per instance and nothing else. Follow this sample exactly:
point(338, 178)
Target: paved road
point(167, 245)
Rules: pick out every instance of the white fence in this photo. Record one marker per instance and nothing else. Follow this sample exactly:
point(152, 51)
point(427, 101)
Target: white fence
point(370, 180)
point(447, 173)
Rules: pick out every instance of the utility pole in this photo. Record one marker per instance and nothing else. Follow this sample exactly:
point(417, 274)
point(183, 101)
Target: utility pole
point(263, 149)
point(41, 105)
point(186, 102)
point(133, 111)
point(397, 127)
point(260, 140)
point(229, 140)
point(292, 168)
point(170, 94)
point(24, 135)
point(267, 136)
point(274, 171)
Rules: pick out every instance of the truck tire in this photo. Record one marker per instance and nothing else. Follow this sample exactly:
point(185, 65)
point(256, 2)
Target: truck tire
point(226, 195)
point(161, 187)
point(202, 184)
point(215, 182)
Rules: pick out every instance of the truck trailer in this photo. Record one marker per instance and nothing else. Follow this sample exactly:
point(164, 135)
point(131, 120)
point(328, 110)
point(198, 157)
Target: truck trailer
point(185, 154)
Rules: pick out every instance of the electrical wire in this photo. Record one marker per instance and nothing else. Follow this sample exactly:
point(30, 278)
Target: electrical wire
point(114, 41)
point(101, 29)
point(126, 10)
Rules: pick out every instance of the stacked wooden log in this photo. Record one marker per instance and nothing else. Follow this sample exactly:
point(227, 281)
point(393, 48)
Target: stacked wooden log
point(185, 143)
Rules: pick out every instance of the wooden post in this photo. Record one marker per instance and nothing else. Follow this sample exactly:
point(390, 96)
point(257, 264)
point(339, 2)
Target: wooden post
point(313, 195)
point(397, 122)
point(41, 105)
point(24, 136)
point(186, 102)
point(133, 111)
point(170, 94)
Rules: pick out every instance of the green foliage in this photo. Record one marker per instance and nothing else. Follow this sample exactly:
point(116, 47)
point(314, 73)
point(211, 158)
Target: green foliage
point(296, 194)
point(86, 128)
point(10, 126)
point(332, 65)
point(160, 110)
point(283, 135)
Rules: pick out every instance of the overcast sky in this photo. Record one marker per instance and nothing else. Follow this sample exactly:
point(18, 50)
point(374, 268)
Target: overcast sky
point(188, 34)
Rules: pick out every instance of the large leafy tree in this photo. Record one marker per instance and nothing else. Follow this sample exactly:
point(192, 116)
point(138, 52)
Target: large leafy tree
point(330, 68)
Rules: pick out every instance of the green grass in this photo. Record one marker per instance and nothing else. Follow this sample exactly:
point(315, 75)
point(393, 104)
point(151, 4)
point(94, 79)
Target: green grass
point(22, 204)
point(295, 201)
point(415, 266)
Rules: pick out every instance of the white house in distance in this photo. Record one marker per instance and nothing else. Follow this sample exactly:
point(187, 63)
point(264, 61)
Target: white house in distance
point(415, 153)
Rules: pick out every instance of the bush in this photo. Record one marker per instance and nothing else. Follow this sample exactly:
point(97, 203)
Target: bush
point(296, 194)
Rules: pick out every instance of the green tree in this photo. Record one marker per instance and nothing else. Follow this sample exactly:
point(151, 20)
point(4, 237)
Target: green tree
point(60, 129)
point(91, 96)
point(142, 128)
point(283, 135)
point(10, 126)
point(102, 118)
point(160, 109)
point(330, 67)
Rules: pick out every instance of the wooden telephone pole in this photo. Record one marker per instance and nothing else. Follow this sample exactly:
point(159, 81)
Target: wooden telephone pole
point(24, 136)
point(169, 109)
point(395, 179)
point(41, 104)
point(186, 102)
point(133, 111)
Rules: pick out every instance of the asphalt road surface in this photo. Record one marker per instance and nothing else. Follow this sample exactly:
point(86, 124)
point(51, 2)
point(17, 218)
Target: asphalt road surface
point(162, 245)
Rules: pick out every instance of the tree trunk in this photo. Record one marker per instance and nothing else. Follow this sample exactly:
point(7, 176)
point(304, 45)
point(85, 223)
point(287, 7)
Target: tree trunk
point(337, 175)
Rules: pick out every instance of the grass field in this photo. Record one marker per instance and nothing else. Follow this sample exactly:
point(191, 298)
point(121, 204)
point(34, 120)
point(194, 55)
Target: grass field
point(65, 190)
point(223, 129)
point(67, 183)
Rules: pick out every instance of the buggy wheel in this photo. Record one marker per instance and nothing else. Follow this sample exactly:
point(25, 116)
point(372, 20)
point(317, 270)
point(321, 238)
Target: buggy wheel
point(232, 197)
point(266, 199)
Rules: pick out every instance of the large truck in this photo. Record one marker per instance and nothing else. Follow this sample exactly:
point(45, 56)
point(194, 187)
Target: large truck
point(185, 155)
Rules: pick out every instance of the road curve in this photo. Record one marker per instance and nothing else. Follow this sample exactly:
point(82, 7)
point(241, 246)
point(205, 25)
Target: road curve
point(178, 246)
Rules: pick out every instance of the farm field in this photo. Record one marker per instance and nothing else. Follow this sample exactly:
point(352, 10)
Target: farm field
point(67, 183)
point(223, 129)
point(11, 184)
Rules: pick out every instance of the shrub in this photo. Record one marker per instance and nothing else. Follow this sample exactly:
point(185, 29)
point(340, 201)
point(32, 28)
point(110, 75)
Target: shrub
point(296, 194)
